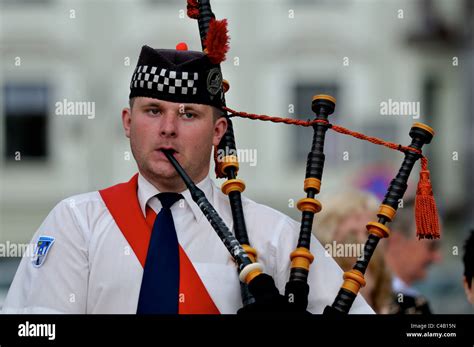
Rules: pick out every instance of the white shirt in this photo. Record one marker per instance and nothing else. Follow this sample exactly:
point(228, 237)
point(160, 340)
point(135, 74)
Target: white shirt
point(91, 268)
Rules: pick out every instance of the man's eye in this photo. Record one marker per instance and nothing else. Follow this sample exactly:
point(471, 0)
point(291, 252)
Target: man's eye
point(154, 111)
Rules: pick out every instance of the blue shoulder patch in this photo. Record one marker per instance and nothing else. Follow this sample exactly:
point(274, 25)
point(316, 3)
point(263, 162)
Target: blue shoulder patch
point(41, 250)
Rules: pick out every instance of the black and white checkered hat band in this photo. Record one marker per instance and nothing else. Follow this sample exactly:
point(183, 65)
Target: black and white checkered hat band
point(164, 80)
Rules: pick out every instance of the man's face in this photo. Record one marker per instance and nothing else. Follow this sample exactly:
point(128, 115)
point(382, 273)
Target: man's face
point(188, 129)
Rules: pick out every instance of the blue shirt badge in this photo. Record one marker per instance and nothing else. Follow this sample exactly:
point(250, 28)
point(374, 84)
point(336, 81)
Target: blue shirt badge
point(42, 248)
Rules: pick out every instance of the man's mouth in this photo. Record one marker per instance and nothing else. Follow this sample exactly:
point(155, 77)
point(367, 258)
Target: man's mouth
point(168, 149)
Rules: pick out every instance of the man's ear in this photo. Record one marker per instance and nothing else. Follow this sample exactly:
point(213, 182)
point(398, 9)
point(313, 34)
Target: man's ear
point(220, 127)
point(126, 120)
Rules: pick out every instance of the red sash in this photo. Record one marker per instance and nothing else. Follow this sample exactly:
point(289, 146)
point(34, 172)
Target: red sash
point(122, 202)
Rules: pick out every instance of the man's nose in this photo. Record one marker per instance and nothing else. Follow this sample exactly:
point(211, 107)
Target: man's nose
point(168, 124)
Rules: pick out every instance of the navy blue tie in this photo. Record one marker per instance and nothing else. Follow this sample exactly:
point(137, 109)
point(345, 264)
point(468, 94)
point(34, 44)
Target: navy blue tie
point(159, 293)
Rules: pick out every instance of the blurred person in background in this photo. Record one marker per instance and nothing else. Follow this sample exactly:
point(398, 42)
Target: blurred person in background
point(468, 261)
point(343, 222)
point(409, 259)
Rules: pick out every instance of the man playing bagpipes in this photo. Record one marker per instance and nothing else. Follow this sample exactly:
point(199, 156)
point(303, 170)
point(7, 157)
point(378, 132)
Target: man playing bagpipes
point(144, 246)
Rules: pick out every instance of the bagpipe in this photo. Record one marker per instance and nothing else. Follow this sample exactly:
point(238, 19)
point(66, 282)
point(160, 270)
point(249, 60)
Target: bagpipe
point(259, 293)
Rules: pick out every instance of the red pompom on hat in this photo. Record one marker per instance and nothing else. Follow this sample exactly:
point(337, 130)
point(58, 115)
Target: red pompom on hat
point(182, 46)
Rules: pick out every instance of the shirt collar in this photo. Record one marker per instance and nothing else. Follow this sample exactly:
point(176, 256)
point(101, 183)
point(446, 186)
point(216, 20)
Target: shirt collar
point(147, 196)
